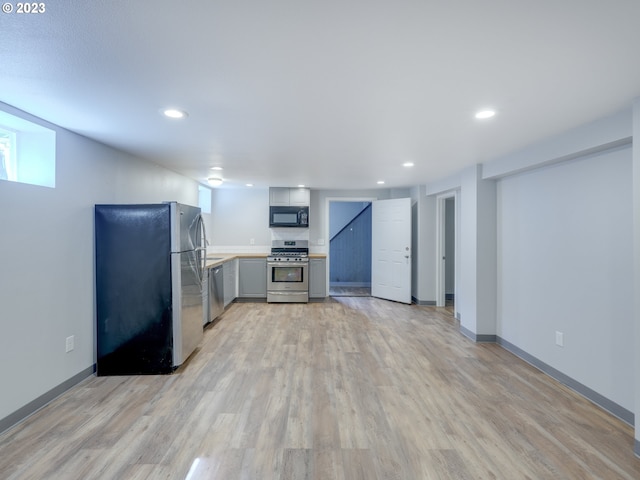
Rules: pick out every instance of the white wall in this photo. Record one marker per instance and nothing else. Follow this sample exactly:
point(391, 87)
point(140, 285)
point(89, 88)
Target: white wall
point(47, 258)
point(562, 224)
point(423, 240)
point(636, 265)
point(475, 302)
point(238, 216)
point(564, 245)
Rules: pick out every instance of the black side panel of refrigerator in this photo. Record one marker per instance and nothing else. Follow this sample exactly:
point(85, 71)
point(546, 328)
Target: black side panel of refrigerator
point(133, 289)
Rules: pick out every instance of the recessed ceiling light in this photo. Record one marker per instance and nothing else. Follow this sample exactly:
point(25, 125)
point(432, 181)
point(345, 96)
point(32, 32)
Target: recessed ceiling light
point(214, 181)
point(174, 113)
point(300, 186)
point(249, 184)
point(482, 114)
point(380, 182)
point(216, 168)
point(407, 164)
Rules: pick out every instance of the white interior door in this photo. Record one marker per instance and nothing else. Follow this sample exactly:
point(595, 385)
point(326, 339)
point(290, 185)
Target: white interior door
point(391, 249)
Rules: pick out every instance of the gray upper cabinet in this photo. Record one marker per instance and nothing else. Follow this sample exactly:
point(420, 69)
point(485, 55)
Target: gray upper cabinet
point(288, 197)
point(299, 197)
point(278, 197)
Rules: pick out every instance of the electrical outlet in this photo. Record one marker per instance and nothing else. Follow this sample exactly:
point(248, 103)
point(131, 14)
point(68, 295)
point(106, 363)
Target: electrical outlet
point(321, 241)
point(252, 241)
point(69, 343)
point(560, 339)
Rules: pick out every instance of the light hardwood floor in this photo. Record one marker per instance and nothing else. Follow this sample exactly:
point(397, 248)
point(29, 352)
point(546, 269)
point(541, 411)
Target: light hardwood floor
point(342, 291)
point(352, 388)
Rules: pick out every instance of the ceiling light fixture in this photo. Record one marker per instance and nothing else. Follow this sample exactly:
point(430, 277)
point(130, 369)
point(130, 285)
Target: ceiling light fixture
point(300, 186)
point(483, 114)
point(407, 164)
point(214, 181)
point(249, 184)
point(216, 168)
point(174, 113)
point(380, 182)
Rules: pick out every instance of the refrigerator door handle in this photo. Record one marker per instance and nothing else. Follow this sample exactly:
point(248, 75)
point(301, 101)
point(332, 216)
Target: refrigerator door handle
point(202, 248)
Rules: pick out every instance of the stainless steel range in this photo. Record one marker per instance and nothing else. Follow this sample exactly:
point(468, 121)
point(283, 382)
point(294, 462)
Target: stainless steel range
point(287, 271)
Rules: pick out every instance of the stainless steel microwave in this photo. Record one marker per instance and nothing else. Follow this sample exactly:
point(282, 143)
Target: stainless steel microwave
point(289, 217)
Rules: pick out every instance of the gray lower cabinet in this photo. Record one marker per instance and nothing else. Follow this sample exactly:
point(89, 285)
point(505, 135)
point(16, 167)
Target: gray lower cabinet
point(230, 275)
point(317, 278)
point(252, 277)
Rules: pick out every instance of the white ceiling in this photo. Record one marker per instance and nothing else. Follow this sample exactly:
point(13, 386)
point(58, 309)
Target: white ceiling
point(331, 94)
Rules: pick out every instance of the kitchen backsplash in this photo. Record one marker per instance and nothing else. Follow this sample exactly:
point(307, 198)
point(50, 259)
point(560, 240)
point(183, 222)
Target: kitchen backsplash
point(276, 234)
point(211, 249)
point(289, 233)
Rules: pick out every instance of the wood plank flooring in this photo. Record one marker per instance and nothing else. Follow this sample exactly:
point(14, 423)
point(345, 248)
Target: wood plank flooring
point(344, 291)
point(352, 388)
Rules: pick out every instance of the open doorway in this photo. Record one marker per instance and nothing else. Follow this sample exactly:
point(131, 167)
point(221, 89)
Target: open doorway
point(450, 252)
point(447, 219)
point(350, 248)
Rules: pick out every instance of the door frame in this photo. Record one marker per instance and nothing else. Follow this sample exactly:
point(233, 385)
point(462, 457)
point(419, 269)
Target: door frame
point(441, 242)
point(327, 239)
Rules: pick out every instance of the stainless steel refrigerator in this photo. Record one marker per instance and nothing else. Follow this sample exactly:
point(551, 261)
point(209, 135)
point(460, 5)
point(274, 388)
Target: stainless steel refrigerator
point(150, 264)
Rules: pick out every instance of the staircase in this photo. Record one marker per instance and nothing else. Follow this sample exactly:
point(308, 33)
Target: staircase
point(350, 253)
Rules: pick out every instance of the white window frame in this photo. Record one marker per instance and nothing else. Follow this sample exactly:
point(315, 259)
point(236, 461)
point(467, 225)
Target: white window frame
point(32, 155)
point(8, 152)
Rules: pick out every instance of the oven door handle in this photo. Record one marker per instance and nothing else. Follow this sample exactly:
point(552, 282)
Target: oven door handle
point(287, 264)
point(289, 292)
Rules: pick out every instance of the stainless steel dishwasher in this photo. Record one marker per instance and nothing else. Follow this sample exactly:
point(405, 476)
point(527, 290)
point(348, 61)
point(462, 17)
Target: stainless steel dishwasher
point(216, 292)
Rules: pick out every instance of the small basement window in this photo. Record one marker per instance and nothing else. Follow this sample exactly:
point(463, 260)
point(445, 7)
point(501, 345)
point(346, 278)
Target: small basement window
point(7, 154)
point(27, 152)
point(204, 199)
